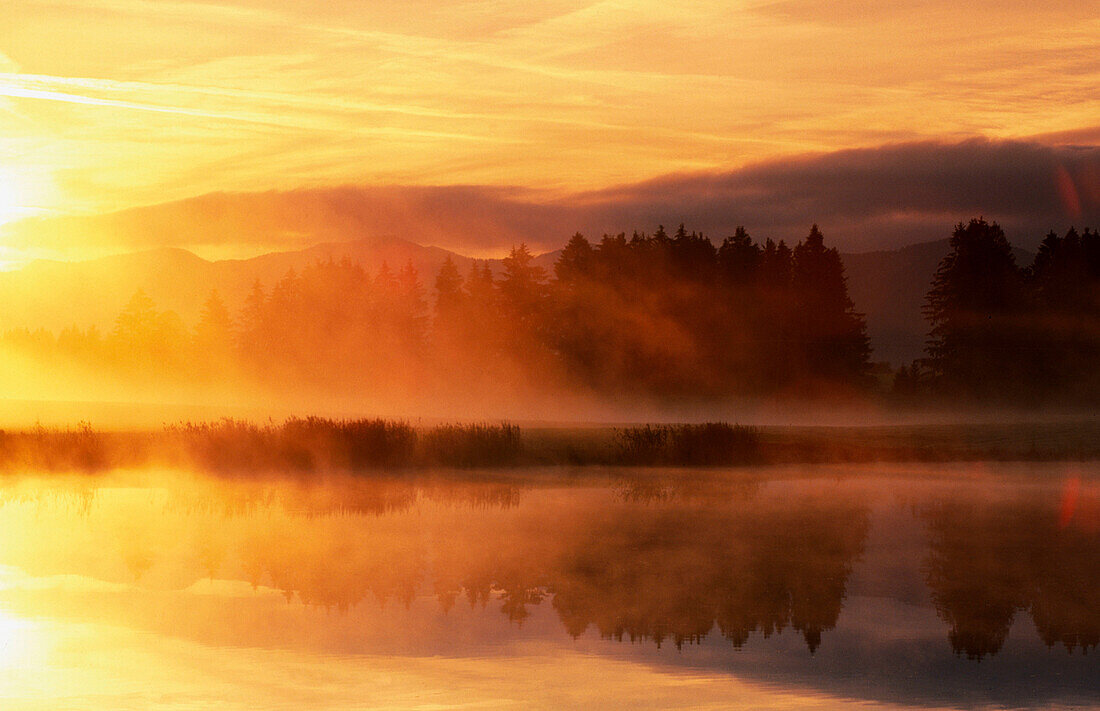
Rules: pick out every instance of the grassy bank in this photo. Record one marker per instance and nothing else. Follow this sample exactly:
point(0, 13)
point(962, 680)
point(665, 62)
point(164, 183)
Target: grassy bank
point(317, 444)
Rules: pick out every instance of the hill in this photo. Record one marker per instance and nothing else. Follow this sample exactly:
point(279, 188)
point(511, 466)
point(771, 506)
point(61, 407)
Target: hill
point(889, 286)
point(54, 294)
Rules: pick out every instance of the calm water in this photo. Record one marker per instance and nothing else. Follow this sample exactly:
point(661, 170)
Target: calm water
point(820, 587)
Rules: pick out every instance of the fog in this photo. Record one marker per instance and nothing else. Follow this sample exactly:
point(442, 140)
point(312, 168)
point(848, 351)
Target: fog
point(662, 326)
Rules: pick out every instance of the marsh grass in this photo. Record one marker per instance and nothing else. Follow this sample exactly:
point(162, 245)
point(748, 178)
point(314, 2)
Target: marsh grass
point(473, 445)
point(314, 444)
point(706, 444)
point(55, 449)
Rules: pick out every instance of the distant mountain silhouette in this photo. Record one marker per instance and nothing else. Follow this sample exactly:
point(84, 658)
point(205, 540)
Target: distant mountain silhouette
point(889, 286)
point(54, 294)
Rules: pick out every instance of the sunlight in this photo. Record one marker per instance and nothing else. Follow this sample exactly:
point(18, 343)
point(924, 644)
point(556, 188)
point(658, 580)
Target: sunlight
point(9, 258)
point(15, 638)
point(11, 195)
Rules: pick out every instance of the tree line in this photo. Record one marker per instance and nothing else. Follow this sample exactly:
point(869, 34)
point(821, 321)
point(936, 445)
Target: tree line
point(664, 316)
point(1004, 332)
point(653, 315)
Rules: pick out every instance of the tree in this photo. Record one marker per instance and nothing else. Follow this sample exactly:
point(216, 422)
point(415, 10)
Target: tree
point(137, 321)
point(412, 309)
point(575, 261)
point(1065, 318)
point(739, 258)
point(448, 289)
point(693, 256)
point(830, 332)
point(977, 294)
point(1060, 272)
point(250, 322)
point(214, 329)
point(146, 337)
point(523, 287)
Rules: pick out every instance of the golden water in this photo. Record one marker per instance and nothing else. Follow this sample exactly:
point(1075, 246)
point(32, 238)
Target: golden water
point(820, 587)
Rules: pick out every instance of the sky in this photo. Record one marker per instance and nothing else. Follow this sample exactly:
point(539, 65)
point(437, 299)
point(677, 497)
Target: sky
point(107, 105)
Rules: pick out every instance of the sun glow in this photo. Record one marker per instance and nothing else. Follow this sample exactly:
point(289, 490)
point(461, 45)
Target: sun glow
point(15, 640)
point(21, 194)
point(9, 198)
point(12, 196)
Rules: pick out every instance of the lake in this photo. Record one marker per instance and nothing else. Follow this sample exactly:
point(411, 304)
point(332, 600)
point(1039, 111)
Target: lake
point(878, 586)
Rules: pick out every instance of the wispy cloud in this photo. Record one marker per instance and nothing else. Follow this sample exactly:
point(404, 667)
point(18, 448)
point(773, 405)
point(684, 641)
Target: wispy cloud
point(864, 199)
point(140, 101)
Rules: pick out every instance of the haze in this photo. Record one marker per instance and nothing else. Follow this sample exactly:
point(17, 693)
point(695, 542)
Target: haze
point(355, 207)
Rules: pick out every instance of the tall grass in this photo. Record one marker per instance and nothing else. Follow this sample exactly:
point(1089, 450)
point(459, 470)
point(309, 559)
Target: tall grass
point(710, 443)
point(347, 444)
point(51, 449)
point(299, 444)
point(240, 447)
point(473, 445)
point(316, 444)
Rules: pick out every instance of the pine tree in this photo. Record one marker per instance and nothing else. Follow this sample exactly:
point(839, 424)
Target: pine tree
point(412, 309)
point(214, 329)
point(739, 258)
point(977, 294)
point(522, 286)
point(251, 323)
point(575, 261)
point(830, 332)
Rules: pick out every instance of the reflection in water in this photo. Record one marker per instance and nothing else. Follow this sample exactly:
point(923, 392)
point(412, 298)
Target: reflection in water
point(675, 572)
point(818, 583)
point(990, 559)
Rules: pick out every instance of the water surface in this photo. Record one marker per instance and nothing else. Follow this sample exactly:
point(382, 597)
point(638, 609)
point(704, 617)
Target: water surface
point(960, 586)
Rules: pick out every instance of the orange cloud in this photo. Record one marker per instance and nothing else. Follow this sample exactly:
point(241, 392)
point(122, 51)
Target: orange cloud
point(131, 102)
point(865, 199)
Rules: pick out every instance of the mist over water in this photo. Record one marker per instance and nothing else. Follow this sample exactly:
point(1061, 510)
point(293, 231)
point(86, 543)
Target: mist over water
point(899, 586)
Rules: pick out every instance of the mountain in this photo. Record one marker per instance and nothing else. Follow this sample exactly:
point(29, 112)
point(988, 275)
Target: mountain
point(54, 295)
point(888, 286)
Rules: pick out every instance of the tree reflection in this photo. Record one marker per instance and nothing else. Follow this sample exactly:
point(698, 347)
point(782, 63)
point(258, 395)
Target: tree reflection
point(989, 560)
point(675, 574)
point(666, 567)
point(656, 557)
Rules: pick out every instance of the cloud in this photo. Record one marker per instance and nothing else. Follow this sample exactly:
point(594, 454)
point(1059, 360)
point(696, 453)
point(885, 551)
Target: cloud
point(881, 196)
point(130, 102)
point(863, 199)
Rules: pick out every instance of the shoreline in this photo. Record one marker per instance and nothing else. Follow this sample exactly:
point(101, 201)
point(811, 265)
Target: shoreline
point(314, 444)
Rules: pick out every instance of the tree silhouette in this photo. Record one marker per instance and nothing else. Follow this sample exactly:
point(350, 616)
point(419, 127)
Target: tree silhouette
point(524, 302)
point(739, 259)
point(137, 322)
point(1065, 317)
point(974, 345)
point(989, 560)
point(146, 338)
point(215, 326)
point(448, 290)
point(833, 336)
point(575, 262)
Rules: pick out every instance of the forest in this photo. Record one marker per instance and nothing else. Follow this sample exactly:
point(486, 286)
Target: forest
point(664, 317)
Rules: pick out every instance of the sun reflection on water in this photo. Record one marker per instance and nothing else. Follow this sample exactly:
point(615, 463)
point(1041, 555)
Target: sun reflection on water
point(650, 592)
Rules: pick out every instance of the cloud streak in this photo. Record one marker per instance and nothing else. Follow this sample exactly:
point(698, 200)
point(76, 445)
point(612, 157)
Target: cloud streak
point(864, 199)
point(130, 102)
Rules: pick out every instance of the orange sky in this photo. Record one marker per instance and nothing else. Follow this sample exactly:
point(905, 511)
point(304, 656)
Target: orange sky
point(107, 104)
